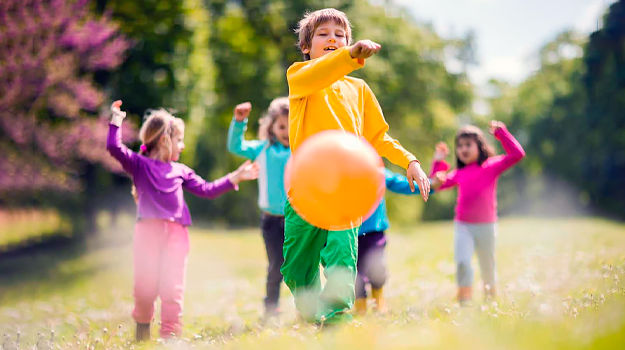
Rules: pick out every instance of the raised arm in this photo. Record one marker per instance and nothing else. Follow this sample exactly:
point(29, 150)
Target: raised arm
point(438, 160)
point(237, 143)
point(127, 158)
point(306, 78)
point(236, 134)
point(514, 150)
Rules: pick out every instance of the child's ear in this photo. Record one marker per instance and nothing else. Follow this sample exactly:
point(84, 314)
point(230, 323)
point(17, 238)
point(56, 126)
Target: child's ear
point(305, 50)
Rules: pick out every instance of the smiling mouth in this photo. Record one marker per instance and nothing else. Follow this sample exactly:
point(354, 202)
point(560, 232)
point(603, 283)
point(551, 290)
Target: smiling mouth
point(330, 48)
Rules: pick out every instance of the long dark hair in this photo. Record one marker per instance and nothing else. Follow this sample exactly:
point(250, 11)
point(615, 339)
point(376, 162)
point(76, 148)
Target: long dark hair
point(485, 150)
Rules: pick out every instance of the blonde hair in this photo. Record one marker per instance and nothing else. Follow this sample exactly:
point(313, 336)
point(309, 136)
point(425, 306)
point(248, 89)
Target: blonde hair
point(156, 136)
point(278, 107)
point(312, 20)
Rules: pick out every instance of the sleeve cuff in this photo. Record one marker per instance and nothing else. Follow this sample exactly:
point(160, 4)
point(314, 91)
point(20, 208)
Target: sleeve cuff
point(233, 185)
point(499, 133)
point(355, 63)
point(116, 120)
point(240, 123)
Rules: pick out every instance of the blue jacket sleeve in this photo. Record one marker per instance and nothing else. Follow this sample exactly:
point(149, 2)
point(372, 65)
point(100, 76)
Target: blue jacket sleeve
point(399, 183)
point(237, 143)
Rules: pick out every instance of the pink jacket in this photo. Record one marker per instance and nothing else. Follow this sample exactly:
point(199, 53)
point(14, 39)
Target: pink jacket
point(477, 184)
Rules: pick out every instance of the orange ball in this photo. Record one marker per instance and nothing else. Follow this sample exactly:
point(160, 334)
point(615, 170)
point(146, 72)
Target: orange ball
point(334, 179)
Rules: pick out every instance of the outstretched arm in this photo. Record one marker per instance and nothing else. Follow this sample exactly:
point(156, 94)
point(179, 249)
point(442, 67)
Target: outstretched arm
point(306, 78)
point(398, 183)
point(202, 188)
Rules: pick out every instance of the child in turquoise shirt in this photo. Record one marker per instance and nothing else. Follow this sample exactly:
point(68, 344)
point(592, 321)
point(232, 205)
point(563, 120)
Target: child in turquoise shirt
point(371, 243)
point(271, 152)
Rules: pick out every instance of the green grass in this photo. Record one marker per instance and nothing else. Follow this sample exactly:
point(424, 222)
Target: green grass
point(560, 282)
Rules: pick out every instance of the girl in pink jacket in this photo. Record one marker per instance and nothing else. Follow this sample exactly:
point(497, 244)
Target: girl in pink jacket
point(475, 223)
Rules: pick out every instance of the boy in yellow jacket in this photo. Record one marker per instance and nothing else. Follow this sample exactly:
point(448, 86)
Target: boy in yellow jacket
point(322, 97)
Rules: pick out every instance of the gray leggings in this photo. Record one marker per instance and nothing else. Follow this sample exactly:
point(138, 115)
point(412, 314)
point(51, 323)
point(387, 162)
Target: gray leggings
point(469, 237)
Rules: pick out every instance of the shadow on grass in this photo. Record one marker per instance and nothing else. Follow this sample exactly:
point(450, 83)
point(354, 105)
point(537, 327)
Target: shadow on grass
point(42, 265)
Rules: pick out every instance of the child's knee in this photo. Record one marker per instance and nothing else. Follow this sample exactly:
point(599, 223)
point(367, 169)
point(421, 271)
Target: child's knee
point(464, 273)
point(463, 266)
point(377, 276)
point(145, 294)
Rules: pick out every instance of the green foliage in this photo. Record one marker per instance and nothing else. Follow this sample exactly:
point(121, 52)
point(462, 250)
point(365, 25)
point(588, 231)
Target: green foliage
point(569, 116)
point(147, 79)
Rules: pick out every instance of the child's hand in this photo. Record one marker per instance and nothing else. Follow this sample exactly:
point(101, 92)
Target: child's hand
point(415, 173)
point(441, 152)
point(438, 180)
point(246, 172)
point(495, 125)
point(117, 115)
point(364, 49)
point(242, 111)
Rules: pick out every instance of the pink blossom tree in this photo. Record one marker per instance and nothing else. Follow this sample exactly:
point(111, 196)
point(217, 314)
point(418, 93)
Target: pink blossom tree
point(51, 120)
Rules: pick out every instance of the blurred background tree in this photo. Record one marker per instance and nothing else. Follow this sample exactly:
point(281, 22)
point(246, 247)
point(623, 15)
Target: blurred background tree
point(52, 136)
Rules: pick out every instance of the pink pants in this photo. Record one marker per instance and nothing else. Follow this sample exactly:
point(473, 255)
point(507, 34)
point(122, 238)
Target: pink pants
point(160, 261)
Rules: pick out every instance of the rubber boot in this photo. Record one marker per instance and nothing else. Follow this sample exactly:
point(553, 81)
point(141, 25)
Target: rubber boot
point(379, 305)
point(143, 332)
point(464, 295)
point(360, 307)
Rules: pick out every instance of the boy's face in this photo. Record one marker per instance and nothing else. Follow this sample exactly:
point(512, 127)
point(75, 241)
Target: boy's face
point(327, 37)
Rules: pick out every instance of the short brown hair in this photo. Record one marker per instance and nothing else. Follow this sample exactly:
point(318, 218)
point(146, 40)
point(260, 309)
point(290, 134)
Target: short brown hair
point(485, 150)
point(312, 20)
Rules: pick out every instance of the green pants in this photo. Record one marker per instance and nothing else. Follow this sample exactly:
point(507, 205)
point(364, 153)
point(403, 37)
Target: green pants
point(305, 247)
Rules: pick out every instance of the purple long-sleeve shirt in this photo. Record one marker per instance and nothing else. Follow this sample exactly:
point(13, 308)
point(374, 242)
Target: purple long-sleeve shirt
point(160, 185)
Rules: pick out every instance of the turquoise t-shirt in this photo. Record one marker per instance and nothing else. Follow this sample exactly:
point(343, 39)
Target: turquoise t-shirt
point(271, 158)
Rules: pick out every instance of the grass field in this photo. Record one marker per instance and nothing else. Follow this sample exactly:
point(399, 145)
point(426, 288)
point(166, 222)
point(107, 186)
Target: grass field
point(560, 281)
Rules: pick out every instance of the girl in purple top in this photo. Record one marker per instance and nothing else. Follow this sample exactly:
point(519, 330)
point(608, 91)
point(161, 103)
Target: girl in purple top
point(161, 240)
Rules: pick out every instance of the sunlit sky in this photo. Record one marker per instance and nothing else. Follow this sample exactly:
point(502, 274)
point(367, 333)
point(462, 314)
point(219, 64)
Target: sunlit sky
point(509, 32)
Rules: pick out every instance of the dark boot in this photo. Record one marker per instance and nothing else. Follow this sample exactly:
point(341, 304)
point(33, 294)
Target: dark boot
point(143, 332)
